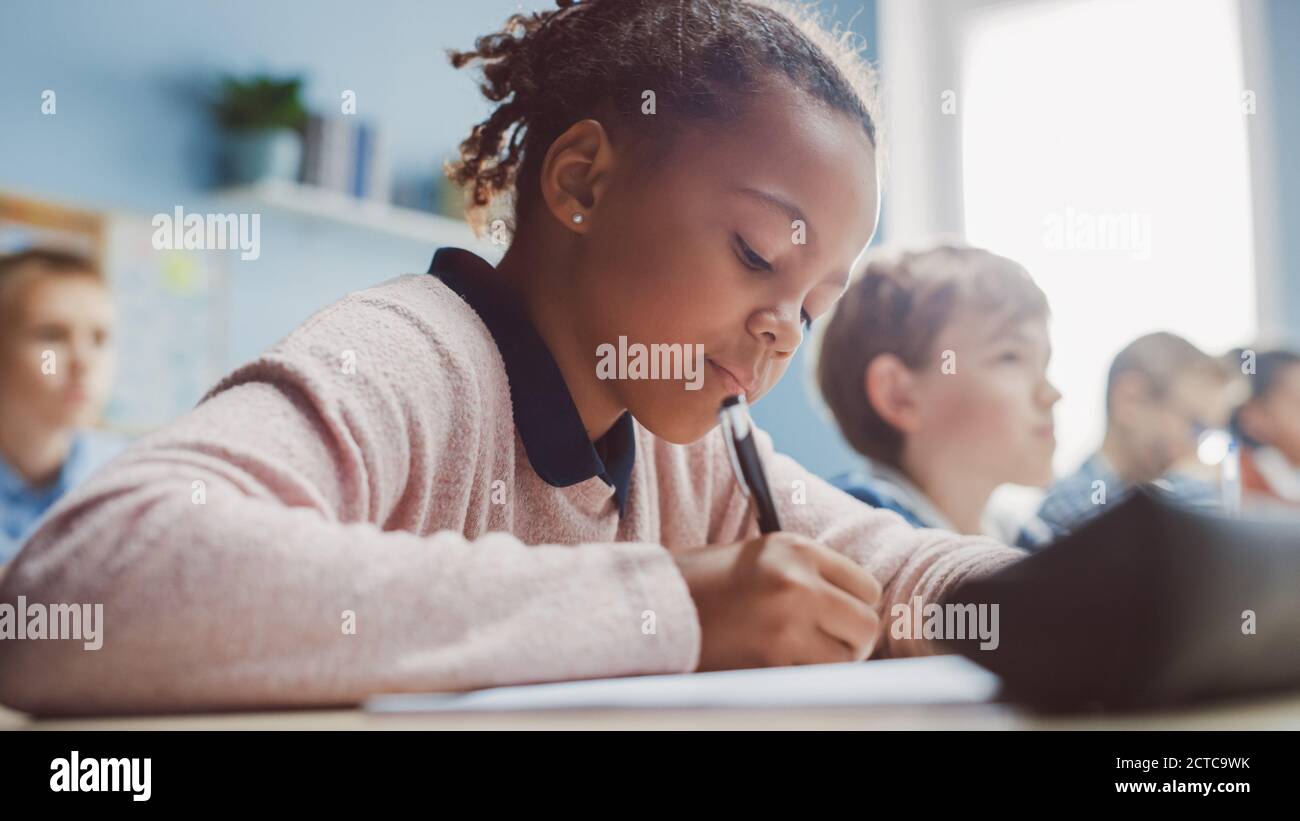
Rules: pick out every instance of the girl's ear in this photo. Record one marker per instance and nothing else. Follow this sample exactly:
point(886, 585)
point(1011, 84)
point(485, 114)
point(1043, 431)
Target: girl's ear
point(575, 172)
point(892, 392)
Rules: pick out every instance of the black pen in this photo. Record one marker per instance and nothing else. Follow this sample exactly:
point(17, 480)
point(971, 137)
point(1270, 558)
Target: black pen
point(738, 431)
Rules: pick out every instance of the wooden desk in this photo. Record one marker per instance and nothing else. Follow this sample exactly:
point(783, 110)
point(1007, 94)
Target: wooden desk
point(1260, 714)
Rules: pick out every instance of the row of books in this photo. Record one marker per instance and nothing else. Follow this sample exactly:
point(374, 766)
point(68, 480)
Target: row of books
point(347, 155)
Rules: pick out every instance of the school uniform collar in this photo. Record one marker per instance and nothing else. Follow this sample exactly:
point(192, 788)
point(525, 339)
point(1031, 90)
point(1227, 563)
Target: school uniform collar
point(14, 487)
point(916, 500)
point(22, 505)
point(910, 496)
point(547, 420)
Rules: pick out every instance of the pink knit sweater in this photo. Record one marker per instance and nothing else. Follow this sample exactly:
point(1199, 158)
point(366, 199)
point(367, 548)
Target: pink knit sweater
point(311, 534)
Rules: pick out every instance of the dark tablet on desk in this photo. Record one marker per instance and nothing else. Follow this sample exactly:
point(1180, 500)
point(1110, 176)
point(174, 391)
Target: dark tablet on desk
point(1149, 604)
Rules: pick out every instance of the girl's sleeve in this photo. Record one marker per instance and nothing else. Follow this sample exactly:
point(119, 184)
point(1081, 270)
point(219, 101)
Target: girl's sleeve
point(241, 559)
point(908, 562)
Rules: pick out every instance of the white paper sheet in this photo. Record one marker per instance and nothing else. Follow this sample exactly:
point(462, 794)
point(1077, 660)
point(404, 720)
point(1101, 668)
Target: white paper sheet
point(929, 680)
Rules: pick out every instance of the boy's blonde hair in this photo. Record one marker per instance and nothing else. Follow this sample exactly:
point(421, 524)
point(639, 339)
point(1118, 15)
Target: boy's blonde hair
point(41, 260)
point(898, 304)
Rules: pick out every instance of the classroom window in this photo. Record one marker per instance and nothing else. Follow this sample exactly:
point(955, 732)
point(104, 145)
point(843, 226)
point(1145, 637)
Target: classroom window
point(1104, 147)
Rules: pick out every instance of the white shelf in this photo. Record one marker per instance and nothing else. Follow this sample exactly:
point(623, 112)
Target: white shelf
point(312, 202)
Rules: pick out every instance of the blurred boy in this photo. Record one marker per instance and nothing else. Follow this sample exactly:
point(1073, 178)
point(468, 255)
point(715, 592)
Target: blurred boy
point(1162, 393)
point(1268, 426)
point(934, 365)
point(56, 370)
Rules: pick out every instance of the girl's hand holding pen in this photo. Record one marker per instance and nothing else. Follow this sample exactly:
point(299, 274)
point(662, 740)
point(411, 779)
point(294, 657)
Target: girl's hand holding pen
point(780, 599)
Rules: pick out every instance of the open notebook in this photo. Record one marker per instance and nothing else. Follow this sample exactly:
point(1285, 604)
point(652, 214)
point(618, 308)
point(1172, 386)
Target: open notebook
point(930, 680)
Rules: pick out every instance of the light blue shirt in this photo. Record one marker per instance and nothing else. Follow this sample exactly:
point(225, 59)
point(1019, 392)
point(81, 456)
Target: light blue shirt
point(882, 486)
point(1069, 503)
point(22, 506)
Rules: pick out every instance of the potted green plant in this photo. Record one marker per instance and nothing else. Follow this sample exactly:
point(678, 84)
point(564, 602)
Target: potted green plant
point(262, 118)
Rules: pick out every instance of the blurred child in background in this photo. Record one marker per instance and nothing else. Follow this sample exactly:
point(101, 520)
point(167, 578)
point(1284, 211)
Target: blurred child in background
point(56, 370)
point(1162, 393)
point(934, 365)
point(1267, 425)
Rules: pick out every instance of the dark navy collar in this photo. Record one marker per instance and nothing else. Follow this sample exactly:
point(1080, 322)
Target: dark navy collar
point(548, 422)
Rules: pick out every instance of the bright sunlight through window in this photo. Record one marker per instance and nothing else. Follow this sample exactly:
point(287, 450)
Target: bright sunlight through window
point(1104, 147)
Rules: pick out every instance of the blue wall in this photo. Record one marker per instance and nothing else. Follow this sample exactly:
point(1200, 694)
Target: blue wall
point(132, 130)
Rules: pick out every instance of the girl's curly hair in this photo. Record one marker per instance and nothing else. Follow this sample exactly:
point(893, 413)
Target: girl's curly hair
point(551, 69)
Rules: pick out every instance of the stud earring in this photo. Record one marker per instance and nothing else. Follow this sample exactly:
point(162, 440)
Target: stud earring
point(577, 219)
